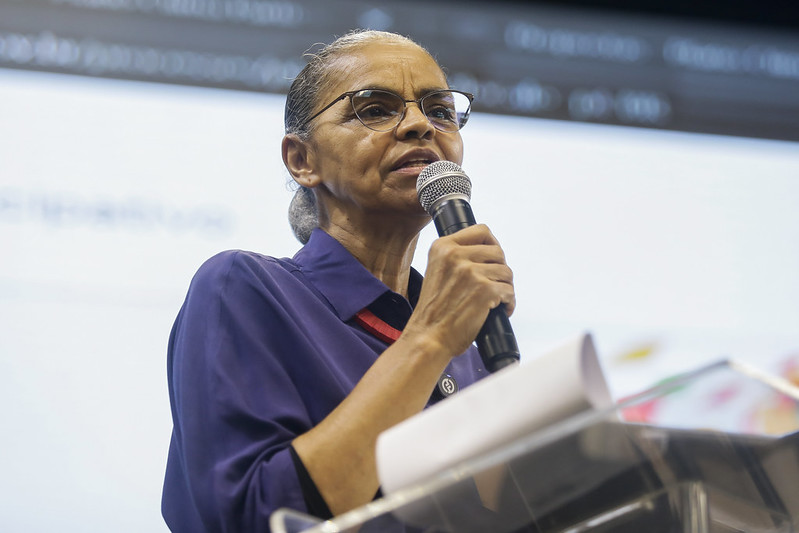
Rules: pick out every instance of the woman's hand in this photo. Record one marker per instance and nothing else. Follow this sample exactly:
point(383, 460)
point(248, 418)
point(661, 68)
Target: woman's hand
point(466, 277)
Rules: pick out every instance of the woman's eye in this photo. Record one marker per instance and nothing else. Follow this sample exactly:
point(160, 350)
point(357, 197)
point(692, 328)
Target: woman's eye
point(441, 113)
point(375, 111)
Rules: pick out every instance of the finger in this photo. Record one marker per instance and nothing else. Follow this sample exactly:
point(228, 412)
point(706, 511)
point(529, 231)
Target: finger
point(476, 253)
point(477, 234)
point(489, 285)
point(510, 304)
point(496, 272)
point(484, 253)
point(506, 297)
point(504, 293)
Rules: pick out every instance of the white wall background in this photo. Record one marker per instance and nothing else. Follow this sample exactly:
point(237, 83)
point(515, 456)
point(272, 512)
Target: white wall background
point(680, 248)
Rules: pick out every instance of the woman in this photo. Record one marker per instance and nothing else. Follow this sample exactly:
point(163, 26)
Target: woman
point(283, 372)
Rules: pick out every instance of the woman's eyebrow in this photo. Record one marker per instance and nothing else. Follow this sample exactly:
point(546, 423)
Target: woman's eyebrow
point(419, 93)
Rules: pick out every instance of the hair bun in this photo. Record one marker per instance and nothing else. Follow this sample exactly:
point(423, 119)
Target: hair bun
point(303, 217)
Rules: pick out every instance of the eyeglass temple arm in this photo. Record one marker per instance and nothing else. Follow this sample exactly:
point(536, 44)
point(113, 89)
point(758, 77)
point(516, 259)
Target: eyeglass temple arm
point(328, 106)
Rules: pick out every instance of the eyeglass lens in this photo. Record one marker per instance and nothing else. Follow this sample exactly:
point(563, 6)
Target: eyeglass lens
point(382, 110)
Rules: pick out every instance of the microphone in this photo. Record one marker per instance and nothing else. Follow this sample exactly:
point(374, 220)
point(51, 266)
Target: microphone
point(444, 191)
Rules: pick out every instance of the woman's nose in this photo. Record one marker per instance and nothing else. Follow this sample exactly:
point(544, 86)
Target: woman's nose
point(414, 121)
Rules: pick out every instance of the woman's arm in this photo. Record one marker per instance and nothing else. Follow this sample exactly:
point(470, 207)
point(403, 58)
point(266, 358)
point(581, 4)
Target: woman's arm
point(466, 276)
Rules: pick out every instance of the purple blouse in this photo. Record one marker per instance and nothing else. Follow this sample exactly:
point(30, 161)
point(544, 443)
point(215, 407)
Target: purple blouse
point(262, 350)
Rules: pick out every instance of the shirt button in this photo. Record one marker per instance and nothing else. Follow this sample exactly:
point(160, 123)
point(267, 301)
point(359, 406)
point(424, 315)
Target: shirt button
point(447, 385)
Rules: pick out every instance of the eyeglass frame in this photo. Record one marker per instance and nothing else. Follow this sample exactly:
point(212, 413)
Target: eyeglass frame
point(405, 103)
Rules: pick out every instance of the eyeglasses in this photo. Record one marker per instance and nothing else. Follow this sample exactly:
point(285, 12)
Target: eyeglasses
point(381, 110)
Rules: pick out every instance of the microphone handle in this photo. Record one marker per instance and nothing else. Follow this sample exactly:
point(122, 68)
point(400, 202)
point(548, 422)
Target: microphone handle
point(452, 215)
point(495, 341)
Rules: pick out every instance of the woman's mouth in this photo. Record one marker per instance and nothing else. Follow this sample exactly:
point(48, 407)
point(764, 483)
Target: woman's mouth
point(416, 160)
point(416, 163)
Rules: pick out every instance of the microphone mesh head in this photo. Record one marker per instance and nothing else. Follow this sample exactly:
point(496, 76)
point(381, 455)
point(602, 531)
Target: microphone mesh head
point(440, 179)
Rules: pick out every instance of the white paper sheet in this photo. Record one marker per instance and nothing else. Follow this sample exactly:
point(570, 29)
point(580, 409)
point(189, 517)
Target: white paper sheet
point(502, 407)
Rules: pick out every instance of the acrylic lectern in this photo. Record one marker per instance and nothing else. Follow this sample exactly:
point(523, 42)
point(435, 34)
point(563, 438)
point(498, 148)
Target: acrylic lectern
point(715, 450)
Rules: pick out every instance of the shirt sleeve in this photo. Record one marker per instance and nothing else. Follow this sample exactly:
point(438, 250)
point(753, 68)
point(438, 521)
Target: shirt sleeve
point(236, 408)
point(314, 502)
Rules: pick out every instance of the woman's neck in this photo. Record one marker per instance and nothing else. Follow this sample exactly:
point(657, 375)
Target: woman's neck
point(386, 254)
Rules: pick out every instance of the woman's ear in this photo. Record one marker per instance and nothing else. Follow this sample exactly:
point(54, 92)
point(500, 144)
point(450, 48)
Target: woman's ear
point(298, 157)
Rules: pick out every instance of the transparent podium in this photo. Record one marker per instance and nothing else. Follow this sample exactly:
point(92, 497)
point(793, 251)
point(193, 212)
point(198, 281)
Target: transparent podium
point(716, 450)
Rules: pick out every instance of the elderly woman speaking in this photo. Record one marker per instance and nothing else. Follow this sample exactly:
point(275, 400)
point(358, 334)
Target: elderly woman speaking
point(283, 372)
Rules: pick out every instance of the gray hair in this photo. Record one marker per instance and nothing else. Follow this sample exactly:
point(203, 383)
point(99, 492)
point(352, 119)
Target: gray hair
point(301, 101)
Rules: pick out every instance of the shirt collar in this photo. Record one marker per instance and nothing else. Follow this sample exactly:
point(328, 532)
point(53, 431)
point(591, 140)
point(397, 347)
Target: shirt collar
point(346, 284)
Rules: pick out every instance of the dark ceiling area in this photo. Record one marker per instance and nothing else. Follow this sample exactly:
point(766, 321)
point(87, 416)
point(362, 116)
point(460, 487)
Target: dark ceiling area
point(729, 67)
point(767, 13)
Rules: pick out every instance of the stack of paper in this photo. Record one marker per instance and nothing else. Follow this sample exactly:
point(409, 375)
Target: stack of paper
point(505, 406)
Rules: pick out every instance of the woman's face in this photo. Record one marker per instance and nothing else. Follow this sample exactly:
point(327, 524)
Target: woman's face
point(369, 176)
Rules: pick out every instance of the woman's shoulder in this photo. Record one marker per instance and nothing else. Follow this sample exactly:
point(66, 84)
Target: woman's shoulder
point(242, 266)
point(230, 258)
